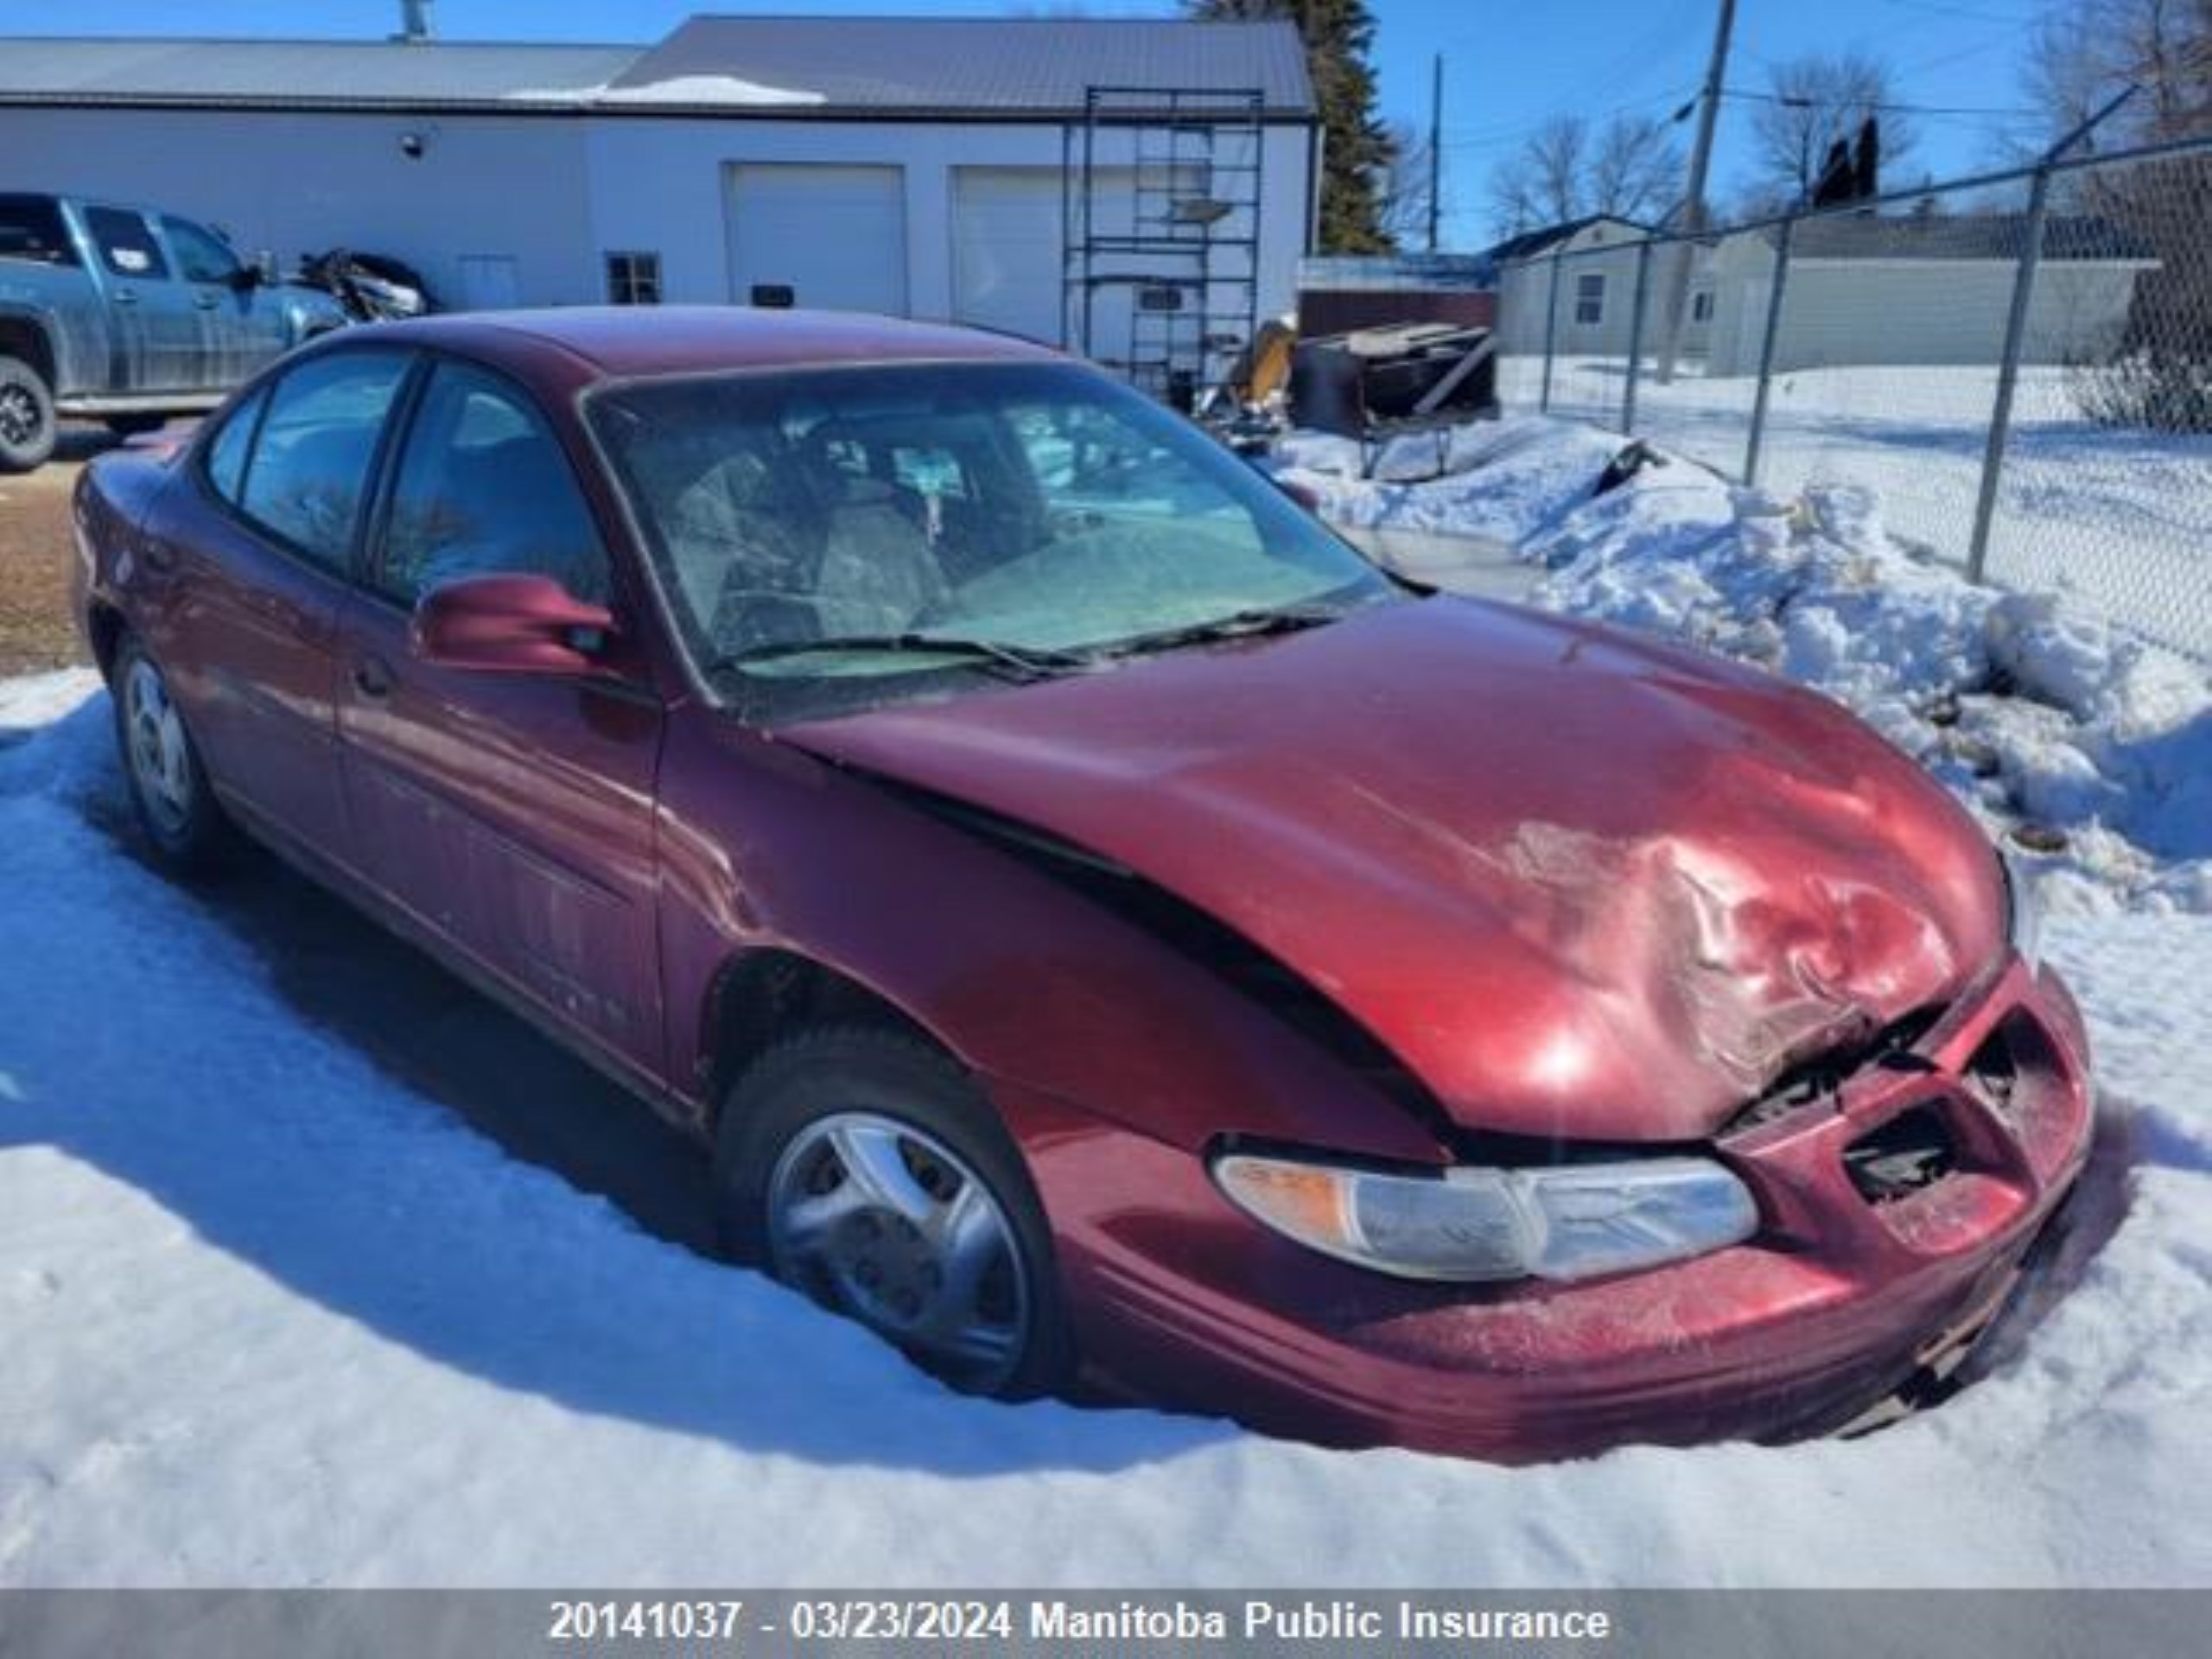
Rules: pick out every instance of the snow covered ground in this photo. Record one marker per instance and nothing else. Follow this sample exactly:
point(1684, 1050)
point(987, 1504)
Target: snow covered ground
point(2125, 517)
point(271, 1317)
point(2089, 747)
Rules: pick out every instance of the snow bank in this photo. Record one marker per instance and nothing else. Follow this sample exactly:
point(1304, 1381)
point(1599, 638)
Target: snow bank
point(2091, 748)
point(270, 1318)
point(1501, 479)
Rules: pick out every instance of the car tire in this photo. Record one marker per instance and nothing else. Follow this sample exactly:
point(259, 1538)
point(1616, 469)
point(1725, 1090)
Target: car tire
point(133, 426)
point(27, 428)
point(170, 795)
point(966, 1286)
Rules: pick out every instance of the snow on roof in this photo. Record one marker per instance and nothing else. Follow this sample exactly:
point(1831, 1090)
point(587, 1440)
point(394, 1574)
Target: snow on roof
point(296, 73)
point(1028, 64)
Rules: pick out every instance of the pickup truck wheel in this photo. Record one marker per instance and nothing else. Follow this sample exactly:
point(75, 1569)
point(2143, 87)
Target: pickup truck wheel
point(26, 418)
point(169, 790)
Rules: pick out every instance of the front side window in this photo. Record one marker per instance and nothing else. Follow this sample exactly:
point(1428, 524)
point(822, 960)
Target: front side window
point(126, 243)
point(484, 489)
point(309, 469)
point(1590, 297)
point(203, 255)
point(1035, 508)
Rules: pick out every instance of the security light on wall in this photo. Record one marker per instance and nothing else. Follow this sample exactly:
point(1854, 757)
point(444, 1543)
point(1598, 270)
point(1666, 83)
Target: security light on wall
point(1201, 210)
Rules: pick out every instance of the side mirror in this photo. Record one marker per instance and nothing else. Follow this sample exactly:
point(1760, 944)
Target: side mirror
point(510, 625)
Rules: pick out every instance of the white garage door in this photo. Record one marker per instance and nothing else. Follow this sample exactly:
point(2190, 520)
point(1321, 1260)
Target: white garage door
point(835, 236)
point(1005, 249)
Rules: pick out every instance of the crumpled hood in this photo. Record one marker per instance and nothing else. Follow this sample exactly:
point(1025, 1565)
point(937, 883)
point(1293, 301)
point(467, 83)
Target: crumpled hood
point(1581, 883)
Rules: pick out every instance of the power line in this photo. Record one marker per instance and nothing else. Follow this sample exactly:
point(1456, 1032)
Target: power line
point(1496, 138)
point(1793, 102)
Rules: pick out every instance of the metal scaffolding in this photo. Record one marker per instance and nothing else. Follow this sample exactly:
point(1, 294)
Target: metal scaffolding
point(1160, 209)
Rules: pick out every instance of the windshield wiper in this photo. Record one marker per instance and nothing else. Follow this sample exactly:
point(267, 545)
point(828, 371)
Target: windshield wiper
point(1251, 624)
point(991, 656)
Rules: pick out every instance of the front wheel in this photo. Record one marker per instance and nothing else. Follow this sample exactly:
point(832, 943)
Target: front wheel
point(27, 428)
point(866, 1170)
point(169, 792)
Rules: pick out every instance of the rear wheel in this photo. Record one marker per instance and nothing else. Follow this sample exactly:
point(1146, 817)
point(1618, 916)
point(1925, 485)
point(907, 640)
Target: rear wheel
point(26, 416)
point(169, 792)
point(865, 1168)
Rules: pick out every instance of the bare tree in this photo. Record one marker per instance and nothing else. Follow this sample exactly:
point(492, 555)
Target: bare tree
point(1403, 192)
point(2085, 51)
point(1541, 183)
point(1636, 168)
point(1630, 167)
point(1811, 103)
point(2160, 373)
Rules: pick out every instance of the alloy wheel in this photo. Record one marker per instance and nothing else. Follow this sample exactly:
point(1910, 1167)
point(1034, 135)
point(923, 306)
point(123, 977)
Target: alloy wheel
point(19, 414)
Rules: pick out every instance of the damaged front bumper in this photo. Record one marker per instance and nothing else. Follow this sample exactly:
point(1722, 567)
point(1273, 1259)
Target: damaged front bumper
point(1895, 1208)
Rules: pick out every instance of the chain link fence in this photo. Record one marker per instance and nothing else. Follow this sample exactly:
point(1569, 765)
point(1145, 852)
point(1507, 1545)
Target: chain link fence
point(2021, 364)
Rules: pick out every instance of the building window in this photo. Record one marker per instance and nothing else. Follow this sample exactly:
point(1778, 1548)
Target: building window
point(1590, 297)
point(1702, 306)
point(633, 279)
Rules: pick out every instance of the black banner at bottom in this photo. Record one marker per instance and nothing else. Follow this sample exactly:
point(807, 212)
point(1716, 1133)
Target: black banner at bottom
point(789, 1624)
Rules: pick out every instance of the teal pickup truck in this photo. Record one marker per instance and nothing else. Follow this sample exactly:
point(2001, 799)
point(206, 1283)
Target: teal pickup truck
point(128, 316)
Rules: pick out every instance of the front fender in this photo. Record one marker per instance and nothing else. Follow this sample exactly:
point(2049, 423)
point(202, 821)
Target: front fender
point(1018, 975)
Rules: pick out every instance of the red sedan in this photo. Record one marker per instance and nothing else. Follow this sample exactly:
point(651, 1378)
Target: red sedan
point(1105, 930)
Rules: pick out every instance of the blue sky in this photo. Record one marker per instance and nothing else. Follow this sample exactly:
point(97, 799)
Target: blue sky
point(1508, 64)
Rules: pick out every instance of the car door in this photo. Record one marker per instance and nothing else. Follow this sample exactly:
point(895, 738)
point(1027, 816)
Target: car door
point(262, 535)
point(237, 335)
point(156, 326)
point(512, 814)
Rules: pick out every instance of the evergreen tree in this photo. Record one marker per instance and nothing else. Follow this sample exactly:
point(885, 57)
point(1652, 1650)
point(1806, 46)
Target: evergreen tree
point(1867, 161)
point(1356, 151)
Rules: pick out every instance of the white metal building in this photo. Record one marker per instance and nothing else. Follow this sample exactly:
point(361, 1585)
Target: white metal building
point(1937, 289)
point(915, 166)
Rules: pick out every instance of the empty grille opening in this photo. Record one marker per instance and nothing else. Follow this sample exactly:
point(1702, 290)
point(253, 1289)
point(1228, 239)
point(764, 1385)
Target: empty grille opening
point(1993, 1073)
point(1912, 1151)
point(1827, 1072)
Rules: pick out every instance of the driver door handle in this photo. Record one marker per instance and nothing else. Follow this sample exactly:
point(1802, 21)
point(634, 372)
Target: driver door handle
point(372, 676)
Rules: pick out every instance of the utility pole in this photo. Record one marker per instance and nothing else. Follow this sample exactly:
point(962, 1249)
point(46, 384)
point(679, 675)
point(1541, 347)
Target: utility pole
point(1693, 215)
point(1435, 147)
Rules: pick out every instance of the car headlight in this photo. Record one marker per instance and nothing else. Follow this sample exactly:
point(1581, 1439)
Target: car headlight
point(2023, 914)
point(1566, 1221)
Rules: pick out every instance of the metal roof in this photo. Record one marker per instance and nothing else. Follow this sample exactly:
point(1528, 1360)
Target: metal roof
point(995, 65)
point(293, 74)
point(897, 67)
point(1528, 244)
point(1964, 236)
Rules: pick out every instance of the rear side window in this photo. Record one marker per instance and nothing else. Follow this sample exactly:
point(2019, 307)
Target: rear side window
point(309, 468)
point(484, 489)
point(126, 242)
point(31, 229)
point(204, 256)
point(226, 455)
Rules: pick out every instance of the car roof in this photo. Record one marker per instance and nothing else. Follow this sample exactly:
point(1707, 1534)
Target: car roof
point(621, 342)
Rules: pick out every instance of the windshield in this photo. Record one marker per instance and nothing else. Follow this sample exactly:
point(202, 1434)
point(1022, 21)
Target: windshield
point(835, 524)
